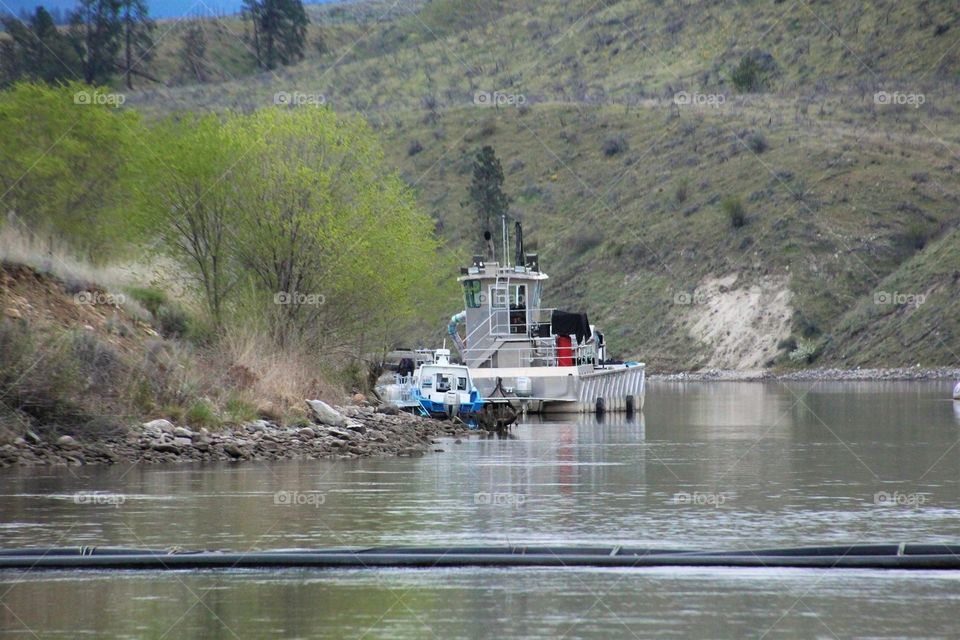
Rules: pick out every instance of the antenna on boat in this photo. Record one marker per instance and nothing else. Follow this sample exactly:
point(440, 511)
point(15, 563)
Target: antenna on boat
point(506, 239)
point(518, 231)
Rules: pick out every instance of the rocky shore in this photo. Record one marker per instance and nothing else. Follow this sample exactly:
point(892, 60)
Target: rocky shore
point(332, 432)
point(760, 375)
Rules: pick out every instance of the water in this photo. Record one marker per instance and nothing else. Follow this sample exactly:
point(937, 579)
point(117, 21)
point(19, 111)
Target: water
point(708, 466)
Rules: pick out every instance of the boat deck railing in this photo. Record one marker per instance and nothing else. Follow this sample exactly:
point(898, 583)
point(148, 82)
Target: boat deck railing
point(544, 352)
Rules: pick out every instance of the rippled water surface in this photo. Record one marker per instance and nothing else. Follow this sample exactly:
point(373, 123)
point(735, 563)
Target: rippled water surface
point(724, 465)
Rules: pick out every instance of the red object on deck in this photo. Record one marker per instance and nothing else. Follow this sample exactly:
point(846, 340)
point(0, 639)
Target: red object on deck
point(564, 351)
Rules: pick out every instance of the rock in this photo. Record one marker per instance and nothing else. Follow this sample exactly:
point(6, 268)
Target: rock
point(67, 442)
point(325, 414)
point(258, 425)
point(458, 441)
point(13, 312)
point(164, 426)
point(233, 450)
point(388, 409)
point(19, 441)
point(32, 438)
point(182, 442)
point(340, 433)
point(165, 447)
point(359, 399)
point(356, 426)
point(306, 432)
point(183, 432)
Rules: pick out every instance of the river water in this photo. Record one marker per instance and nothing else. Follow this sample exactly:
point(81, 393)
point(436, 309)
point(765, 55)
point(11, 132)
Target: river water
point(725, 465)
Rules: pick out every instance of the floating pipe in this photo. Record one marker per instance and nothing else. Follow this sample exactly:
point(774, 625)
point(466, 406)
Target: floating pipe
point(878, 556)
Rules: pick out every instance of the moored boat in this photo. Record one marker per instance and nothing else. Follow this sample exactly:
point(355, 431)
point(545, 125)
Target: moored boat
point(532, 358)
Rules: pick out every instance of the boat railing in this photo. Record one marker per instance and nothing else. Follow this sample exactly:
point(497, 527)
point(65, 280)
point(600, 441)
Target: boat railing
point(544, 353)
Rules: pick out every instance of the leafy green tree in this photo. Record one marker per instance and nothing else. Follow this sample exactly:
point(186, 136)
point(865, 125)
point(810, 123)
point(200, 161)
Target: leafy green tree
point(63, 165)
point(97, 29)
point(486, 190)
point(279, 30)
point(188, 197)
point(36, 50)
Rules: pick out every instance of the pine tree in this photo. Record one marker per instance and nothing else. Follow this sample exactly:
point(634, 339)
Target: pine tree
point(97, 28)
point(279, 30)
point(36, 50)
point(193, 53)
point(486, 190)
point(137, 38)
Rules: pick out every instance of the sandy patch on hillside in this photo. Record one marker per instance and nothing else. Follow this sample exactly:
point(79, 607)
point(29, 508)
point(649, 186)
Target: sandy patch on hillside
point(740, 326)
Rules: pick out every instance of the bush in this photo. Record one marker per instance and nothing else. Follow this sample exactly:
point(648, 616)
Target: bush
point(748, 76)
point(733, 208)
point(174, 322)
point(202, 414)
point(151, 299)
point(680, 194)
point(614, 146)
point(414, 148)
point(757, 143)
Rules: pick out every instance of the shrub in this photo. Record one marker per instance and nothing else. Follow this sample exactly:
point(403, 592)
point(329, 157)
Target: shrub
point(151, 299)
point(733, 208)
point(614, 146)
point(414, 148)
point(201, 414)
point(757, 143)
point(680, 194)
point(805, 352)
point(748, 76)
point(174, 321)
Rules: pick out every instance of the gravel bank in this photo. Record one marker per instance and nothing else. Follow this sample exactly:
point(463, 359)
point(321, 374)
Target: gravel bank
point(349, 432)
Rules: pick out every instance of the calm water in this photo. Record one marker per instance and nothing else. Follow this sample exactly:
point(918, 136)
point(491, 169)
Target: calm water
point(708, 466)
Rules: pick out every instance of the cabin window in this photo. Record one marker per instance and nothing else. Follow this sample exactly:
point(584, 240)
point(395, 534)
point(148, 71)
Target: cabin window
point(461, 384)
point(472, 294)
point(443, 382)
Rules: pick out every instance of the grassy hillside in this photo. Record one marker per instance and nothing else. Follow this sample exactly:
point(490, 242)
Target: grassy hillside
point(628, 194)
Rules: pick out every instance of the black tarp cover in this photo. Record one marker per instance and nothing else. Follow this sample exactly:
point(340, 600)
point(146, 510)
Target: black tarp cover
point(566, 323)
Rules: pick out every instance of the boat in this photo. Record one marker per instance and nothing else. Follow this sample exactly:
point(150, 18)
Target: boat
point(438, 388)
point(534, 359)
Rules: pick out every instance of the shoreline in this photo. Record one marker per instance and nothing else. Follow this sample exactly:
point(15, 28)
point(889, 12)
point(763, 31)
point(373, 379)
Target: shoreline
point(333, 433)
point(820, 374)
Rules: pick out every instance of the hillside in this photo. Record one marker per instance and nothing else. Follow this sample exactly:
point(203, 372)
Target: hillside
point(846, 197)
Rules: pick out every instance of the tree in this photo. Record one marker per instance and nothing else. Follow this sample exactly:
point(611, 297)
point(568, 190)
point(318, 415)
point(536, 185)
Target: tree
point(97, 27)
point(63, 165)
point(36, 50)
point(486, 190)
point(187, 196)
point(137, 38)
point(279, 30)
point(193, 52)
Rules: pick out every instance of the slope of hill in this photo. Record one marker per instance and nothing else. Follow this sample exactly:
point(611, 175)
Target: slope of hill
point(626, 149)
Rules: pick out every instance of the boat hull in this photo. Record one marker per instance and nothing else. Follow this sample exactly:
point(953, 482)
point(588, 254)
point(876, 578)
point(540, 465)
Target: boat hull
point(583, 389)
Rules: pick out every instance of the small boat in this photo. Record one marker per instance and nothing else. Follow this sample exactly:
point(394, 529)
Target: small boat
point(439, 389)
